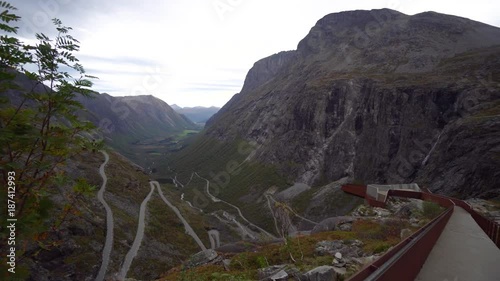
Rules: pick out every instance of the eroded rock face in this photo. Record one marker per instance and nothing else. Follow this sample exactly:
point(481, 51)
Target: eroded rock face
point(377, 96)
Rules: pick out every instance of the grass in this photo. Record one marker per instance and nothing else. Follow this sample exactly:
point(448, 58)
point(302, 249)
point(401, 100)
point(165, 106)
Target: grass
point(377, 238)
point(430, 210)
point(235, 186)
point(495, 204)
point(331, 203)
point(165, 242)
point(185, 133)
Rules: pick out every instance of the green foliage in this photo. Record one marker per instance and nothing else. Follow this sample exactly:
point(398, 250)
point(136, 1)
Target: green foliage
point(262, 261)
point(91, 145)
point(42, 131)
point(227, 277)
point(430, 210)
point(188, 275)
point(245, 265)
point(82, 187)
point(243, 261)
point(378, 237)
point(207, 273)
point(380, 246)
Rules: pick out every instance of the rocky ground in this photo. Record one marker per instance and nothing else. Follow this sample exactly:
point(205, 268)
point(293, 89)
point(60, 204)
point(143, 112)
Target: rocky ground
point(488, 208)
point(336, 248)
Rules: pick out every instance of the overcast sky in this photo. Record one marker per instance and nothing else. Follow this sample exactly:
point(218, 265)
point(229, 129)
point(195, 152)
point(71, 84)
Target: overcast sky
point(198, 52)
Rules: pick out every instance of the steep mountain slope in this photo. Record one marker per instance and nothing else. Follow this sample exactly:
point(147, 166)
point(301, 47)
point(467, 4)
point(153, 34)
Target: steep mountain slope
point(72, 248)
point(124, 121)
point(368, 96)
point(197, 114)
point(74, 227)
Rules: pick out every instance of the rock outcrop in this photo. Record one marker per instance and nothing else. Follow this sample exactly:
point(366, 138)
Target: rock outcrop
point(321, 273)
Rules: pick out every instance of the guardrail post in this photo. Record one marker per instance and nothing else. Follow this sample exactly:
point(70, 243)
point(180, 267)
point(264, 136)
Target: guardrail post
point(497, 238)
point(494, 230)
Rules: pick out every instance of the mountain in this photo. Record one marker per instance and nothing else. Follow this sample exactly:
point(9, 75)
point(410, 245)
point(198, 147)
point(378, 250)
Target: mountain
point(136, 116)
point(369, 97)
point(126, 122)
point(122, 209)
point(197, 114)
point(76, 246)
point(138, 127)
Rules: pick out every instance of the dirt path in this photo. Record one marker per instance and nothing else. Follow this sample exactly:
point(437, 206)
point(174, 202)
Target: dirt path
point(108, 245)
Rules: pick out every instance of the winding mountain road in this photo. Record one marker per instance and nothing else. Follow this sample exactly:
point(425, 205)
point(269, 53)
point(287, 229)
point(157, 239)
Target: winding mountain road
point(177, 182)
point(214, 237)
point(243, 230)
point(108, 245)
point(132, 253)
point(215, 199)
point(189, 229)
point(138, 238)
point(189, 203)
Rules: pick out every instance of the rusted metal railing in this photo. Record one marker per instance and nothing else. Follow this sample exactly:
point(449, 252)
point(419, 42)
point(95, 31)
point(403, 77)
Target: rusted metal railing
point(404, 261)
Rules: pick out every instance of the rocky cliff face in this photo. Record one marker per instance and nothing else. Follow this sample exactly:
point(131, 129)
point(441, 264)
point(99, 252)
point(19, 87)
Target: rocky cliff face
point(377, 96)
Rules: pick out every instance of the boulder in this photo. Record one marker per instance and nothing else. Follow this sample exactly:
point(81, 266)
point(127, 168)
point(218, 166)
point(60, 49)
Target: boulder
point(201, 258)
point(415, 222)
point(279, 276)
point(279, 272)
point(333, 223)
point(340, 270)
point(338, 261)
point(226, 263)
point(404, 212)
point(321, 273)
point(345, 226)
point(347, 249)
point(365, 260)
point(405, 233)
point(381, 212)
point(267, 272)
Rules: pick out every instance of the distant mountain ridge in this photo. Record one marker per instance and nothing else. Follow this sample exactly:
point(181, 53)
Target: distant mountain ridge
point(125, 121)
point(197, 114)
point(121, 121)
point(120, 115)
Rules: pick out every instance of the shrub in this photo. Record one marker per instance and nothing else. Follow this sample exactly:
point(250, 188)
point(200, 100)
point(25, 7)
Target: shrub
point(431, 210)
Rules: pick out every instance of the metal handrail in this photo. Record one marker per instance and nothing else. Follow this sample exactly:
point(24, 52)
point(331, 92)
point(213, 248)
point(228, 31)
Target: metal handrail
point(384, 266)
point(407, 249)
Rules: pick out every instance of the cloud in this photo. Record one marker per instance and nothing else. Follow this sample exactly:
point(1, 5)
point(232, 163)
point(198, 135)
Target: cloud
point(195, 55)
